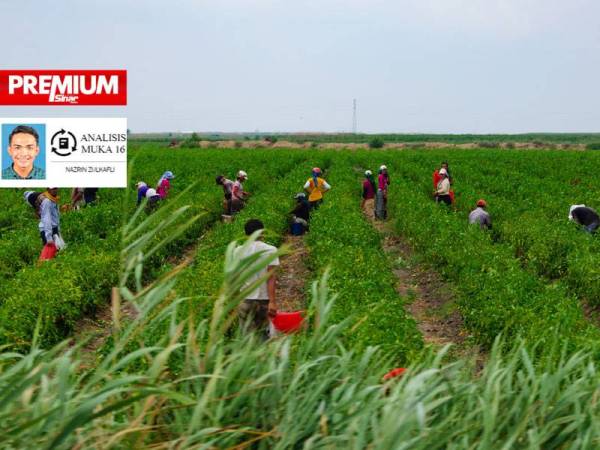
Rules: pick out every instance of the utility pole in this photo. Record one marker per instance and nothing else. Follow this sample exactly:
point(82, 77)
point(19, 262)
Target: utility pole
point(354, 116)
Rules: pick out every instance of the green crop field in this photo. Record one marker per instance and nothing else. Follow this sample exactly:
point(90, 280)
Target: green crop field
point(178, 376)
point(486, 139)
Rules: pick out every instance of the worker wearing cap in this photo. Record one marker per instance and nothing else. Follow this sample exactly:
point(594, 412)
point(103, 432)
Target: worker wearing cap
point(480, 216)
point(442, 192)
point(369, 188)
point(238, 195)
point(316, 187)
point(584, 216)
point(383, 181)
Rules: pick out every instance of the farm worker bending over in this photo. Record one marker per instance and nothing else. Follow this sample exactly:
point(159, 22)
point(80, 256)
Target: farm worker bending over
point(163, 186)
point(316, 187)
point(142, 188)
point(584, 216)
point(260, 304)
point(153, 199)
point(300, 215)
point(480, 216)
point(90, 195)
point(368, 195)
point(82, 196)
point(227, 190)
point(383, 181)
point(442, 192)
point(46, 207)
point(238, 195)
point(77, 200)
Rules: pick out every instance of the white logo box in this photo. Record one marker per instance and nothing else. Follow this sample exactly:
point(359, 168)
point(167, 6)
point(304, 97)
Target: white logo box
point(79, 152)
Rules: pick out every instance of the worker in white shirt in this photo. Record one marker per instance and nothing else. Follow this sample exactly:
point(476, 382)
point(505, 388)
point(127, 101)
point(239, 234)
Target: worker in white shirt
point(260, 304)
point(442, 192)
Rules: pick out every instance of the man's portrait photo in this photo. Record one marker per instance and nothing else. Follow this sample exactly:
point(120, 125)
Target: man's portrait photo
point(24, 152)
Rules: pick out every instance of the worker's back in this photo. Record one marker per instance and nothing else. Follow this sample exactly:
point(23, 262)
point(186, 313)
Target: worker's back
point(265, 251)
point(302, 210)
point(481, 217)
point(316, 190)
point(585, 215)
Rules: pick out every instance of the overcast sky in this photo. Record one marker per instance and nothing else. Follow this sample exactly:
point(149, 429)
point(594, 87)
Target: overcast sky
point(452, 66)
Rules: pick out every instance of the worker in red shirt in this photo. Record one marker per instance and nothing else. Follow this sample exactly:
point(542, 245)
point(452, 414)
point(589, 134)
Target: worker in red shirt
point(368, 195)
point(383, 181)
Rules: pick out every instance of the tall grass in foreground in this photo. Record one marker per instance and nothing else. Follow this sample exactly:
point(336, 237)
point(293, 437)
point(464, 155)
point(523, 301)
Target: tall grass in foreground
point(198, 387)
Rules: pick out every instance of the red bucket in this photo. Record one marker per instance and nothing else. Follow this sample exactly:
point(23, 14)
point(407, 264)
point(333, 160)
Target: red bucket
point(48, 252)
point(397, 372)
point(288, 322)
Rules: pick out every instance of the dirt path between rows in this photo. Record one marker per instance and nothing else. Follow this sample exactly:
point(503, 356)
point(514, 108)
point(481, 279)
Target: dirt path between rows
point(95, 330)
point(431, 300)
point(292, 275)
point(291, 281)
point(591, 312)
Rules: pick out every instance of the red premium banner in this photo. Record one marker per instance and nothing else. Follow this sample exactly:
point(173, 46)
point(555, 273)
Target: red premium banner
point(63, 87)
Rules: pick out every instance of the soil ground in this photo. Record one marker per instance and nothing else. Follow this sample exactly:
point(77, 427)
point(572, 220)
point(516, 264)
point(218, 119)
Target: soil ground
point(95, 330)
point(430, 299)
point(591, 312)
point(292, 275)
point(432, 303)
point(291, 282)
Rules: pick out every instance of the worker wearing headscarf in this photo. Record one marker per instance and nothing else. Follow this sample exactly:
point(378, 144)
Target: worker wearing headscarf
point(316, 187)
point(369, 188)
point(300, 215)
point(227, 192)
point(238, 195)
point(153, 199)
point(142, 188)
point(442, 192)
point(436, 174)
point(46, 207)
point(164, 184)
point(437, 178)
point(383, 181)
point(584, 216)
